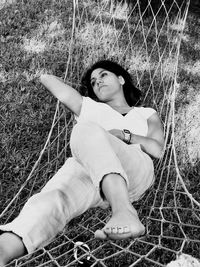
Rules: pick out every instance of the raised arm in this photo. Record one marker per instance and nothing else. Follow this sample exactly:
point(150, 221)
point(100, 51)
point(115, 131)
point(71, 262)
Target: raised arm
point(67, 95)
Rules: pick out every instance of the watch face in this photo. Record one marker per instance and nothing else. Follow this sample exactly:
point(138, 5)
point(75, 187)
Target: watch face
point(126, 131)
point(127, 136)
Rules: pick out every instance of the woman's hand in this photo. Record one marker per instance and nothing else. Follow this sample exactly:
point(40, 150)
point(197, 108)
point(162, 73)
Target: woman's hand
point(118, 133)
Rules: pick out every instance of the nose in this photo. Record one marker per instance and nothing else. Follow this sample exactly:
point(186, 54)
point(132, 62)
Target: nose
point(99, 81)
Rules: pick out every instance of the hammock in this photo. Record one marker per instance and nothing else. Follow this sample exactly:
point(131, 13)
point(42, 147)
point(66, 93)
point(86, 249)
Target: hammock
point(147, 41)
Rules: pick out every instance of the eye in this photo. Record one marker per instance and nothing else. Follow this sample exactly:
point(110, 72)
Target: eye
point(103, 74)
point(93, 83)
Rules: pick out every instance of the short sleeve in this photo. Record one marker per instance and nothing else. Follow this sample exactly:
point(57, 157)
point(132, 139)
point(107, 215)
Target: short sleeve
point(87, 106)
point(147, 112)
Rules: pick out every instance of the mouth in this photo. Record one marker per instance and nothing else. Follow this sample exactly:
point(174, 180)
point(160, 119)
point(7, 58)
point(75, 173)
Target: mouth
point(101, 86)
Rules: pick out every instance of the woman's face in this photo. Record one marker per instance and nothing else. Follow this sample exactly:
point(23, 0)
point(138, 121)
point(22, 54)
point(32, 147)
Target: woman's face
point(106, 84)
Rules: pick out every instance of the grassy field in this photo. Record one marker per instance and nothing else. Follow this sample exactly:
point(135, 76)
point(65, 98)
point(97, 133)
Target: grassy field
point(35, 38)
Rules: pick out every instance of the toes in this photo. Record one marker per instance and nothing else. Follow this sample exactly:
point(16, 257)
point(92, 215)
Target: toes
point(100, 234)
point(117, 230)
point(120, 230)
point(125, 230)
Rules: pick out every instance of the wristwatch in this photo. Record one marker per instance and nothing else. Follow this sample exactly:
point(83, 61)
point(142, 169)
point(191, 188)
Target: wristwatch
point(127, 136)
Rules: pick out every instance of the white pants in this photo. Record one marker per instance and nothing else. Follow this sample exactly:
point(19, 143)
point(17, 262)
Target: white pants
point(75, 187)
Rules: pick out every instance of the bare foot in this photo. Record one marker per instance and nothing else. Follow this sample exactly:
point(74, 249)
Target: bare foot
point(122, 225)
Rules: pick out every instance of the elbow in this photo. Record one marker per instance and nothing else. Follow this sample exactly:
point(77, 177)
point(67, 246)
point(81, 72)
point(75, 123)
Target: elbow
point(160, 152)
point(158, 155)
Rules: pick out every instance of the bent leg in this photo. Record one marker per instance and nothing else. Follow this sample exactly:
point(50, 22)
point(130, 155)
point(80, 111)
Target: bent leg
point(124, 222)
point(91, 146)
point(124, 171)
point(68, 194)
point(101, 153)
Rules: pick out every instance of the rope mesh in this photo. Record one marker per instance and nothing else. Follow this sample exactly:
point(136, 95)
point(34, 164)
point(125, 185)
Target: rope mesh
point(147, 42)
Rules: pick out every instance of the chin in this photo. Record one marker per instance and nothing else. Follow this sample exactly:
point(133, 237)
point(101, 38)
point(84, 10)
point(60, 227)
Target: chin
point(104, 99)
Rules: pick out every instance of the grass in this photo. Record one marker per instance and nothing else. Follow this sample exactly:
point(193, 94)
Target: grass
point(25, 106)
point(188, 97)
point(35, 38)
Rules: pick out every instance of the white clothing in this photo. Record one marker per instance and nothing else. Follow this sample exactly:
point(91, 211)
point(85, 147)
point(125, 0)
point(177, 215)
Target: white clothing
point(108, 118)
point(75, 187)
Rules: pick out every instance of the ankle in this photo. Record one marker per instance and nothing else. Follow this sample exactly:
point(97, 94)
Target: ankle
point(123, 208)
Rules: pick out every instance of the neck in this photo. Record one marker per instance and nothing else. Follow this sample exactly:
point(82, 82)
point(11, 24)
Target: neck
point(118, 104)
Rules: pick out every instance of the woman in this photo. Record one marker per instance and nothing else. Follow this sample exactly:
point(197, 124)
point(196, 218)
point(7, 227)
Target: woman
point(111, 144)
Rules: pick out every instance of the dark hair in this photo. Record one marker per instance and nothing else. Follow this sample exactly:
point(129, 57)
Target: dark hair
point(131, 93)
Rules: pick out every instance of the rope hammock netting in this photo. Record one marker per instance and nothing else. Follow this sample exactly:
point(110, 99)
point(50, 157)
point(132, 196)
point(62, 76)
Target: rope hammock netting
point(147, 42)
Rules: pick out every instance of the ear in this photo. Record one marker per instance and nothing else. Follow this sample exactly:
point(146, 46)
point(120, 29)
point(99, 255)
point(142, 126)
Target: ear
point(121, 80)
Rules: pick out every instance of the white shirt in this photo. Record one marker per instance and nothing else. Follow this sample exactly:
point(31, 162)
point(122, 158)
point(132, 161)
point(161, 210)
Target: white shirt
point(108, 118)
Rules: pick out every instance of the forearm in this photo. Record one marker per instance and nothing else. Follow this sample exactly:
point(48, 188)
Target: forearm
point(148, 145)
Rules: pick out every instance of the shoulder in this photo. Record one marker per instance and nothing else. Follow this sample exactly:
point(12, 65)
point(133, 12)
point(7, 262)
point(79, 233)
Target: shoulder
point(88, 102)
point(89, 107)
point(146, 112)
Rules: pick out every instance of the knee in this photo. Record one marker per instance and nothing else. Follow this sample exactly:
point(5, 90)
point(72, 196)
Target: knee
point(86, 132)
point(85, 128)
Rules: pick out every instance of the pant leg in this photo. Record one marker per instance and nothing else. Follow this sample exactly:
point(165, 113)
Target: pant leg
point(91, 147)
point(137, 165)
point(68, 194)
point(101, 153)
